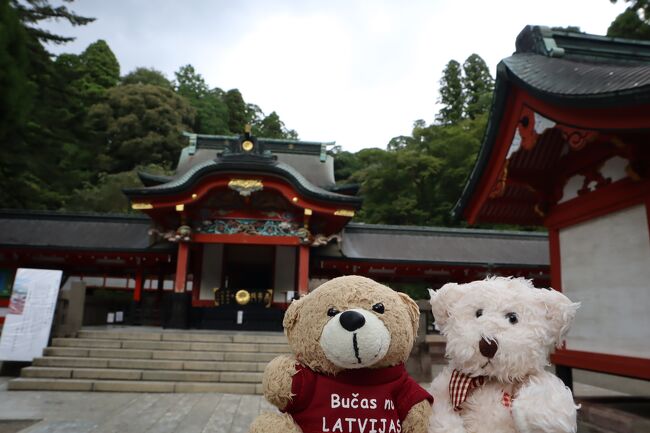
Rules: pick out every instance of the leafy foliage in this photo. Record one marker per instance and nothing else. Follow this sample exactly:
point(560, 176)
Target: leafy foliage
point(419, 178)
point(106, 195)
point(140, 124)
point(629, 24)
point(419, 181)
point(146, 76)
point(69, 126)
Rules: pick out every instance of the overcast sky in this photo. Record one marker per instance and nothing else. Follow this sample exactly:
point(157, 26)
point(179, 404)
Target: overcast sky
point(354, 72)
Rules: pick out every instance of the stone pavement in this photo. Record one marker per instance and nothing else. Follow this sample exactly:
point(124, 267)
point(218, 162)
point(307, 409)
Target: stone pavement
point(82, 412)
point(98, 412)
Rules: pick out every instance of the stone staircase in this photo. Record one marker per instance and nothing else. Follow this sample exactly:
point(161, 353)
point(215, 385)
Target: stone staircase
point(154, 360)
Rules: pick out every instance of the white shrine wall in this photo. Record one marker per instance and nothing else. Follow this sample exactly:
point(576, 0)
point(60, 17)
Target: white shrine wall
point(605, 265)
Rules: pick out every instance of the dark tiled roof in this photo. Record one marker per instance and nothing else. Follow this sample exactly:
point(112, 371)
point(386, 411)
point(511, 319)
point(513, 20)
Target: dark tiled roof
point(244, 164)
point(76, 231)
point(579, 80)
point(308, 158)
point(444, 245)
point(577, 68)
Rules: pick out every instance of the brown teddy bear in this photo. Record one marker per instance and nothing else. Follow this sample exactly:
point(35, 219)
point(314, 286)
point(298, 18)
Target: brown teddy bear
point(350, 338)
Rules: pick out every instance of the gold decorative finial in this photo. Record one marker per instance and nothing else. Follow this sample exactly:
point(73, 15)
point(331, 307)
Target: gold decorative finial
point(247, 128)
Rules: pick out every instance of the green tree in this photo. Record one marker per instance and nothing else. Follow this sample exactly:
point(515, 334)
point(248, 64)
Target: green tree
point(146, 76)
point(106, 194)
point(32, 160)
point(32, 12)
point(17, 92)
point(99, 71)
point(212, 115)
point(272, 127)
point(633, 23)
point(140, 124)
point(477, 86)
point(419, 178)
point(237, 111)
point(397, 188)
point(451, 94)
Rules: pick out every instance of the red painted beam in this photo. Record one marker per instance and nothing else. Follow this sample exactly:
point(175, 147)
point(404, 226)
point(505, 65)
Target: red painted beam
point(613, 364)
point(241, 238)
point(137, 293)
point(181, 267)
point(303, 270)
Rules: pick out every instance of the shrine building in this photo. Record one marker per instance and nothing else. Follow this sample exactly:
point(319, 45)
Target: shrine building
point(244, 226)
point(567, 147)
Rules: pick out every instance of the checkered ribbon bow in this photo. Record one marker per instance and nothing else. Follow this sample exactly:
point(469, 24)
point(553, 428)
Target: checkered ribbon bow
point(460, 386)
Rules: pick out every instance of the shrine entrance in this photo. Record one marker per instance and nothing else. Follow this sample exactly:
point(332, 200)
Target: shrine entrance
point(243, 222)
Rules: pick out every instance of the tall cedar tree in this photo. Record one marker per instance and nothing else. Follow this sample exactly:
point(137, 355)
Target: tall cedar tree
point(33, 170)
point(451, 94)
point(477, 86)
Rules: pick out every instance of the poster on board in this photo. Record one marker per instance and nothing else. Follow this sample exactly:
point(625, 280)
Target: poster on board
point(31, 309)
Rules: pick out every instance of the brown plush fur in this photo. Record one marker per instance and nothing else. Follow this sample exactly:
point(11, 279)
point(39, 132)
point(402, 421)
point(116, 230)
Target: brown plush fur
point(274, 423)
point(303, 323)
point(276, 382)
point(417, 421)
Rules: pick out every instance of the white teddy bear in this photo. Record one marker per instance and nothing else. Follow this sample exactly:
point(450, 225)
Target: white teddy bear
point(500, 332)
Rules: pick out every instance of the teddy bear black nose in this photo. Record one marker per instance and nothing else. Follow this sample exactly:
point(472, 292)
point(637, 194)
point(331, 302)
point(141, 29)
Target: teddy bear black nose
point(351, 320)
point(488, 347)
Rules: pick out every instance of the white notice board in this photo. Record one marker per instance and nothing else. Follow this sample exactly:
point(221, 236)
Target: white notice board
point(31, 309)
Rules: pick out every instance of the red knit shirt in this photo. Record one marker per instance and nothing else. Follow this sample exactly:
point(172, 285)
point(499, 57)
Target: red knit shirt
point(368, 400)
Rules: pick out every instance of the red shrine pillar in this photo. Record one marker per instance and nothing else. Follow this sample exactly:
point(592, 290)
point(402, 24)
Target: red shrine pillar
point(181, 267)
point(137, 292)
point(303, 270)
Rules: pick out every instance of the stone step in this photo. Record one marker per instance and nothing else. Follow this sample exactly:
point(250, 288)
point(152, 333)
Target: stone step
point(41, 384)
point(145, 375)
point(87, 343)
point(148, 364)
point(158, 354)
point(201, 336)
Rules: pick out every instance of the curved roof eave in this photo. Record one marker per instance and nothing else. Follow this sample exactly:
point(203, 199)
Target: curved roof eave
point(499, 99)
point(506, 77)
point(253, 166)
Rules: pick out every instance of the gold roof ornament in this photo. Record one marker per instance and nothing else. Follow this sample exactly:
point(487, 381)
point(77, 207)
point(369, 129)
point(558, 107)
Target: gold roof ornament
point(245, 187)
point(344, 212)
point(141, 206)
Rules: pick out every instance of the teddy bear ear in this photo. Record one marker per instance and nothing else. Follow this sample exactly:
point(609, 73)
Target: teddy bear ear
point(413, 310)
point(560, 312)
point(442, 300)
point(292, 313)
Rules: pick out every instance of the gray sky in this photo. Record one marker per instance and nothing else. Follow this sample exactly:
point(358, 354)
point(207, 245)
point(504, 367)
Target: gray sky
point(354, 72)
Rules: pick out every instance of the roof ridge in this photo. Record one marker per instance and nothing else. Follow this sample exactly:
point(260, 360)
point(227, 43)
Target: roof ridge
point(445, 230)
point(77, 215)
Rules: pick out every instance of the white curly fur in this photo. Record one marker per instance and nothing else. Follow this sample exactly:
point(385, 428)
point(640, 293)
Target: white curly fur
point(541, 401)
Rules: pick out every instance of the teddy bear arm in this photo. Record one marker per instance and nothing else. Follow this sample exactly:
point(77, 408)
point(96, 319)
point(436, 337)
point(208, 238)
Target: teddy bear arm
point(268, 422)
point(443, 418)
point(544, 404)
point(417, 419)
point(276, 382)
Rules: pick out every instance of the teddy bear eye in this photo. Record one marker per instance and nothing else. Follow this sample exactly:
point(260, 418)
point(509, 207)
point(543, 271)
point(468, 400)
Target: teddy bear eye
point(378, 308)
point(512, 318)
point(332, 312)
point(479, 312)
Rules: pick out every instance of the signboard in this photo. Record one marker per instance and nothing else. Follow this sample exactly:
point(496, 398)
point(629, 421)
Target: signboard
point(31, 308)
